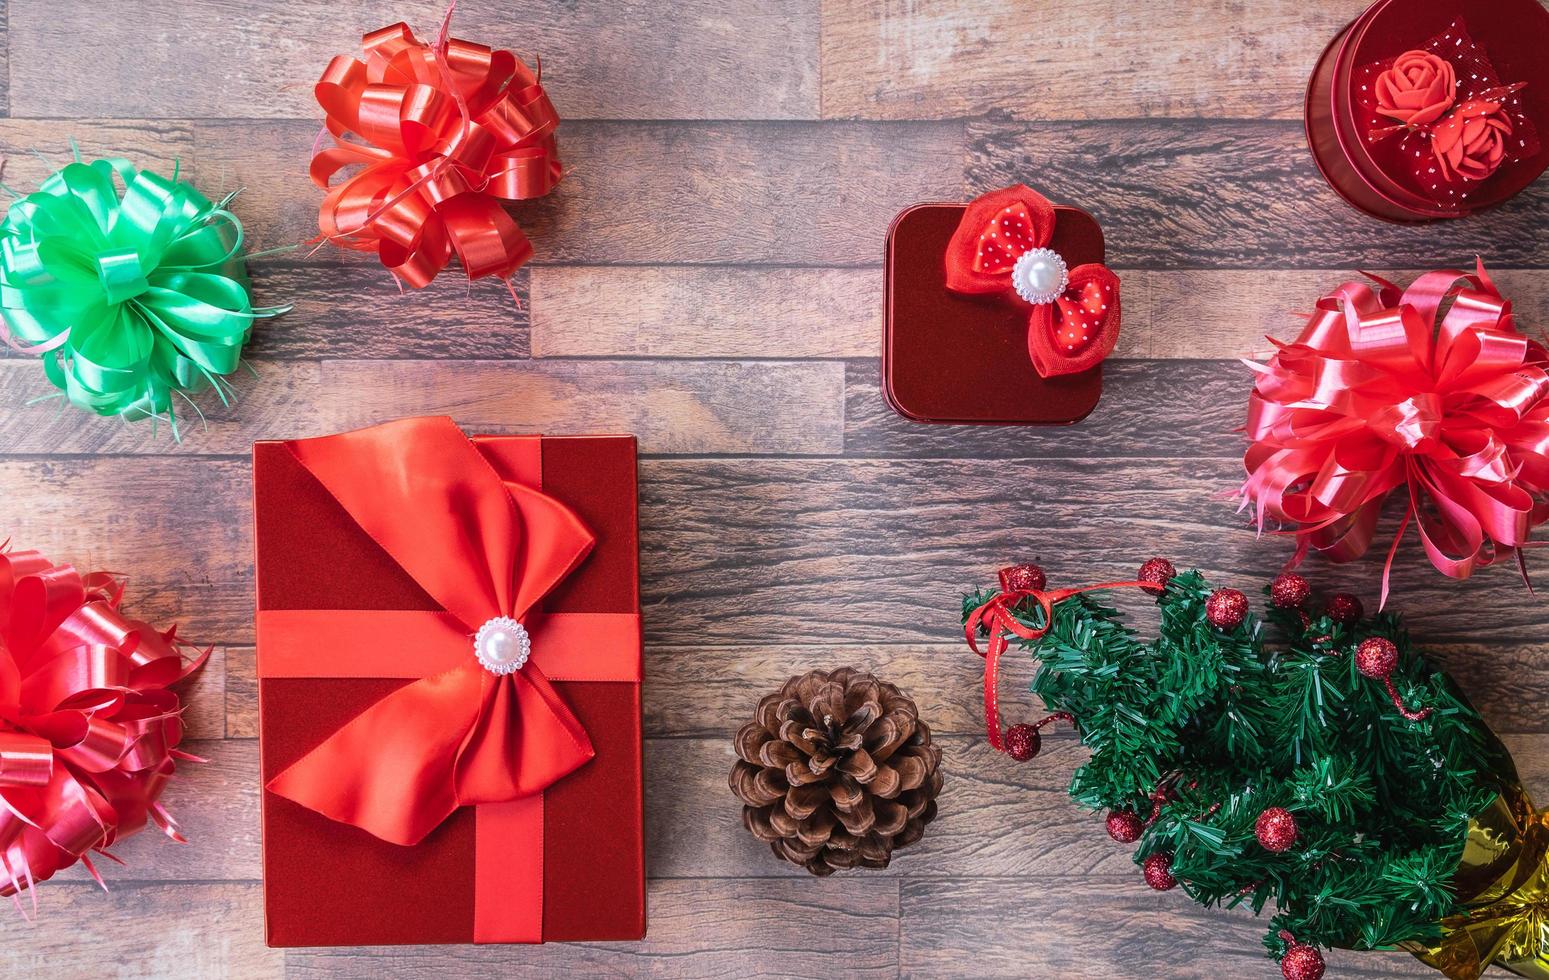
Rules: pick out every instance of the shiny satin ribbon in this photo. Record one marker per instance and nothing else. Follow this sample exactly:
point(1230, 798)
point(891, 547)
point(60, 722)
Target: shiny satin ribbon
point(1073, 332)
point(88, 726)
point(471, 527)
point(1381, 393)
point(998, 617)
point(447, 133)
point(128, 298)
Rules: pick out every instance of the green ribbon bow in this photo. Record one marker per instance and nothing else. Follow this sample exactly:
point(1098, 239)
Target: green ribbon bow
point(128, 299)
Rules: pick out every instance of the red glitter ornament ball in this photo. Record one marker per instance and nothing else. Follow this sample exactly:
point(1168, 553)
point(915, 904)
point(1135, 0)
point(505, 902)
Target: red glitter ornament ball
point(1345, 609)
point(1302, 962)
point(1289, 590)
point(1022, 742)
point(1275, 829)
point(1158, 869)
point(1157, 571)
point(1124, 826)
point(1226, 609)
point(1376, 657)
point(1026, 577)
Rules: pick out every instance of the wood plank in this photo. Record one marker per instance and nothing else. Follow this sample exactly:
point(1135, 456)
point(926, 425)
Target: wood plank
point(997, 818)
point(781, 193)
point(707, 60)
point(346, 306)
point(741, 928)
point(726, 311)
point(216, 805)
point(1149, 408)
point(1227, 313)
point(179, 529)
point(704, 691)
point(705, 311)
point(35, 148)
point(702, 407)
point(932, 59)
point(744, 551)
point(181, 931)
point(204, 700)
point(1087, 929)
point(1179, 194)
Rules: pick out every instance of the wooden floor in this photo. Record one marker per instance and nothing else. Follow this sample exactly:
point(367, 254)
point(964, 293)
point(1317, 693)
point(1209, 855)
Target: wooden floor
point(709, 278)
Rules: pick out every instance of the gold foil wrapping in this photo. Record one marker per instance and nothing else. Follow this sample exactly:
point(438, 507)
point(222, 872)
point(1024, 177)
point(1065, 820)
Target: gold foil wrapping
point(1503, 881)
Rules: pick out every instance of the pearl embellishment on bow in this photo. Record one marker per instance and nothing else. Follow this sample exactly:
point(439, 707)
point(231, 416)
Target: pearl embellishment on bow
point(502, 646)
point(1040, 276)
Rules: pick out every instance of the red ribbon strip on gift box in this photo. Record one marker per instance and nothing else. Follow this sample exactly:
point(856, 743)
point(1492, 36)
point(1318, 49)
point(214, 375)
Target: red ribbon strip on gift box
point(88, 726)
point(1073, 314)
point(452, 130)
point(1381, 393)
point(477, 533)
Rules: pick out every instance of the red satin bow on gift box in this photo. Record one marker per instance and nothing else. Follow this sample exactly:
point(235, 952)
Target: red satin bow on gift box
point(88, 727)
point(1001, 247)
point(487, 550)
point(1377, 396)
point(452, 130)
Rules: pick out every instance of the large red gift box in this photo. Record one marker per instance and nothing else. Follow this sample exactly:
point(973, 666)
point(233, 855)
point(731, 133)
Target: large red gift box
point(564, 864)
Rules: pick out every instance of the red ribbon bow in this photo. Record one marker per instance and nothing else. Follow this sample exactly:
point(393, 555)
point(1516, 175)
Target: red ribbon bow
point(452, 130)
point(997, 616)
point(1375, 395)
point(484, 548)
point(88, 727)
point(1001, 247)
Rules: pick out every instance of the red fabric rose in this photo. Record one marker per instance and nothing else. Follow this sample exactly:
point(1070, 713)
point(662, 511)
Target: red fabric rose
point(1417, 89)
point(1471, 143)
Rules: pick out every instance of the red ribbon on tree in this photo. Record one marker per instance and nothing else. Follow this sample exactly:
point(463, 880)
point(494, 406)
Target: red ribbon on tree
point(452, 130)
point(1381, 393)
point(89, 727)
point(998, 617)
point(1001, 247)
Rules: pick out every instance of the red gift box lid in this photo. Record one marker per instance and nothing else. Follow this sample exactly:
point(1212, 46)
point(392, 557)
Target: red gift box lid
point(331, 884)
point(950, 357)
point(1512, 33)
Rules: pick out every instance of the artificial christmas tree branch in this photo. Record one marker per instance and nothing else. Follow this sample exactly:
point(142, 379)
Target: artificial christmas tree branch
point(1313, 764)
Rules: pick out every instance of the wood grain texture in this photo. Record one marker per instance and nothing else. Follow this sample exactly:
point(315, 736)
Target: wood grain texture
point(1091, 929)
point(705, 311)
point(738, 551)
point(1188, 194)
point(704, 407)
point(782, 193)
point(754, 929)
point(189, 930)
point(719, 60)
point(929, 59)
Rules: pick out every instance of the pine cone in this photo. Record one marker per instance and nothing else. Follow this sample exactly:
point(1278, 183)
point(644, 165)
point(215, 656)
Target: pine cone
point(837, 771)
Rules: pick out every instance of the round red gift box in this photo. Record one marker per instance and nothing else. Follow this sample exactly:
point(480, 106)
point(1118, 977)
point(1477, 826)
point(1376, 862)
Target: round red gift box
point(1512, 32)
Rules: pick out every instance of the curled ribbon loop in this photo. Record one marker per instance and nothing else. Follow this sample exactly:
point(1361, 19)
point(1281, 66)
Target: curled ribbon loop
point(447, 133)
point(1381, 393)
point(1001, 248)
point(88, 727)
point(998, 617)
point(129, 298)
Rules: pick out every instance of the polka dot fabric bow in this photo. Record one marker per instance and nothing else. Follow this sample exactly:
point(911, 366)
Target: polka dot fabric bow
point(1001, 247)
